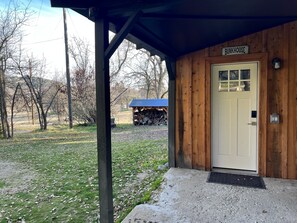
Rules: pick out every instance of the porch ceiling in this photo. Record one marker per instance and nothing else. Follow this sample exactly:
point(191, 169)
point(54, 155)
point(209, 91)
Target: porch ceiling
point(177, 27)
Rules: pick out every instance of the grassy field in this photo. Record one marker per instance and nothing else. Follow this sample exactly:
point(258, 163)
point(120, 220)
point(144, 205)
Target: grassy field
point(57, 179)
point(23, 120)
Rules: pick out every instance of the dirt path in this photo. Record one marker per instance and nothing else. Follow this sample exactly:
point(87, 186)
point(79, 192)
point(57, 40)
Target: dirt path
point(14, 177)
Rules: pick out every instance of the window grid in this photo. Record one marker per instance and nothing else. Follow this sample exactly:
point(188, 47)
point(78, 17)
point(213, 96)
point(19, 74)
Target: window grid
point(234, 80)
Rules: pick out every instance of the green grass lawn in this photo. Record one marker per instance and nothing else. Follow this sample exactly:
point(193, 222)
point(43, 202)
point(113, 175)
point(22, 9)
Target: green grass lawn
point(64, 163)
point(2, 184)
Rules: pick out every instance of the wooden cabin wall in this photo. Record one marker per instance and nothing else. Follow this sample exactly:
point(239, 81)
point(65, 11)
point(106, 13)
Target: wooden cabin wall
point(278, 92)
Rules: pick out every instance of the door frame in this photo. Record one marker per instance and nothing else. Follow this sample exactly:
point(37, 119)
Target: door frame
point(262, 59)
point(257, 63)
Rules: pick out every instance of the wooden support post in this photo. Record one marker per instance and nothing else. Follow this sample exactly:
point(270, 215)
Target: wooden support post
point(171, 68)
point(103, 51)
point(103, 121)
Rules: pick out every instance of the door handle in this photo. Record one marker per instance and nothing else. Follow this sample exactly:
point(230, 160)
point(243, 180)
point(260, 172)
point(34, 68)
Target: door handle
point(252, 123)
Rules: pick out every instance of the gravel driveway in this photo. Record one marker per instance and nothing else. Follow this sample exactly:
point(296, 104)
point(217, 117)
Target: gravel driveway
point(140, 133)
point(185, 197)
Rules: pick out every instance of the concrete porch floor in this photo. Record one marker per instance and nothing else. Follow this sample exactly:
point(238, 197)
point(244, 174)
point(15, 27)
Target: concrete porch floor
point(186, 197)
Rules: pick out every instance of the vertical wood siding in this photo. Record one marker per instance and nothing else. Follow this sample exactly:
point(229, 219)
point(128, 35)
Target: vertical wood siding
point(277, 143)
point(184, 142)
point(292, 102)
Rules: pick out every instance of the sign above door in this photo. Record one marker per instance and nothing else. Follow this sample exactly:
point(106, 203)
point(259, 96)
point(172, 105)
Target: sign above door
point(235, 50)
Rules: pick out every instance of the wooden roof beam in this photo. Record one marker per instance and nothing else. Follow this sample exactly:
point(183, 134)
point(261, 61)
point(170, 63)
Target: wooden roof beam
point(121, 35)
point(140, 44)
point(214, 17)
point(114, 7)
point(155, 43)
point(72, 4)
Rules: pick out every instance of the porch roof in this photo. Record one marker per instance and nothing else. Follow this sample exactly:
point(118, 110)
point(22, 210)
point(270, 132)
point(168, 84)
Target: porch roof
point(174, 28)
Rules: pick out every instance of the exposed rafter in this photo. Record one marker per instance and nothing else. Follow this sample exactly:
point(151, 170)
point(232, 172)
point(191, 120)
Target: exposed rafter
point(214, 17)
point(113, 6)
point(135, 5)
point(72, 4)
point(121, 35)
point(150, 38)
point(153, 49)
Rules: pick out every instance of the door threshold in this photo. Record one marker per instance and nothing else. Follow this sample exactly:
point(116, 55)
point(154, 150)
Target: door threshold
point(234, 171)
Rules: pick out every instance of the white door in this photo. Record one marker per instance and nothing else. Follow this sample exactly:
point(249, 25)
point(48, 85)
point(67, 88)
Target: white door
point(234, 116)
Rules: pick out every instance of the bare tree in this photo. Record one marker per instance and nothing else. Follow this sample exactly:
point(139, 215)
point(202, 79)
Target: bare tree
point(83, 78)
point(149, 74)
point(118, 61)
point(83, 81)
point(15, 99)
point(12, 18)
point(60, 103)
point(160, 76)
point(42, 91)
point(3, 109)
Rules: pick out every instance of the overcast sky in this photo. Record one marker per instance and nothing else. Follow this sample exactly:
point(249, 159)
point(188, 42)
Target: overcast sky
point(45, 35)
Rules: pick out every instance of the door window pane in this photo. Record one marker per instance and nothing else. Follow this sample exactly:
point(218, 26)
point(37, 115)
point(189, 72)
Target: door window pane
point(223, 75)
point(233, 86)
point(234, 75)
point(245, 85)
point(223, 86)
point(245, 74)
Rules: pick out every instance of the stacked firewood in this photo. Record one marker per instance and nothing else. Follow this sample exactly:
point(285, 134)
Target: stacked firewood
point(150, 117)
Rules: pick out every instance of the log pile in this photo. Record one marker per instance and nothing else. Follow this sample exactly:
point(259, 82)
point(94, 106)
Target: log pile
point(150, 116)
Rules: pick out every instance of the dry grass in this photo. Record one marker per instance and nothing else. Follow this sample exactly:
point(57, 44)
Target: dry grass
point(23, 121)
point(124, 117)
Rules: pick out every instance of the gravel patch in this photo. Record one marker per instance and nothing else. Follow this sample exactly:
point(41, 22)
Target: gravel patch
point(141, 133)
point(185, 197)
point(16, 177)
